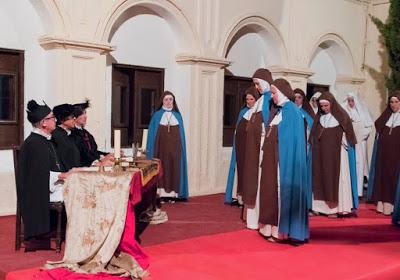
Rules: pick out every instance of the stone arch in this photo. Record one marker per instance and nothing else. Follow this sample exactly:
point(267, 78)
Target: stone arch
point(274, 46)
point(167, 10)
point(338, 50)
point(52, 16)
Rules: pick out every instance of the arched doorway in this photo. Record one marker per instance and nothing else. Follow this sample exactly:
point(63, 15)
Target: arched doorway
point(251, 44)
point(147, 37)
point(330, 60)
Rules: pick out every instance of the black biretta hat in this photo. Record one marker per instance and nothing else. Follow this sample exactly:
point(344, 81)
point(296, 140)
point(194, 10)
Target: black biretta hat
point(79, 108)
point(37, 112)
point(63, 111)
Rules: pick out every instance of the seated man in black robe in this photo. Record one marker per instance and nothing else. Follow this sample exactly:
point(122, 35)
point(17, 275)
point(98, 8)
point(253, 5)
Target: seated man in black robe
point(36, 160)
point(66, 149)
point(84, 140)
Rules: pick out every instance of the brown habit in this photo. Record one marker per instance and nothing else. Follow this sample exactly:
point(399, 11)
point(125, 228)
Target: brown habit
point(387, 163)
point(252, 159)
point(269, 207)
point(168, 150)
point(240, 145)
point(326, 145)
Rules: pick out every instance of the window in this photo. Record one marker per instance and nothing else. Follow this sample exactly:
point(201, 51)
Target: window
point(136, 92)
point(147, 106)
point(11, 97)
point(8, 101)
point(234, 99)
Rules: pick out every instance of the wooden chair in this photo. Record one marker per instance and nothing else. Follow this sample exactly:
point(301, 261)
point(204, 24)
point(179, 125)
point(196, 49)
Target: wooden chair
point(53, 206)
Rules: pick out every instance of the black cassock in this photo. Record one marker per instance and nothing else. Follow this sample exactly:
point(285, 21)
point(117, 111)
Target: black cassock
point(67, 151)
point(36, 159)
point(86, 145)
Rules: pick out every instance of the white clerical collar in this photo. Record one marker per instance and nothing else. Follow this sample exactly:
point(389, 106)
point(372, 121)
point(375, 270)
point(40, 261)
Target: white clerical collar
point(248, 113)
point(66, 130)
point(167, 109)
point(79, 127)
point(168, 119)
point(394, 119)
point(257, 107)
point(41, 133)
point(277, 119)
point(328, 120)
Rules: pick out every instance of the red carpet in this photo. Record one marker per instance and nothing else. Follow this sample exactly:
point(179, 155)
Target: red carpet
point(244, 255)
point(367, 247)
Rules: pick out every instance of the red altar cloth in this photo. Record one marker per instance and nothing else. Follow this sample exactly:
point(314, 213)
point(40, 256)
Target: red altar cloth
point(128, 243)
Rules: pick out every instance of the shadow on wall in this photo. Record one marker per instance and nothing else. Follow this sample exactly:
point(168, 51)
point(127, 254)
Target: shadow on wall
point(110, 59)
point(380, 75)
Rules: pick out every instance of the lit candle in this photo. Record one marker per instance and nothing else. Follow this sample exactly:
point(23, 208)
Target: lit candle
point(117, 143)
point(144, 139)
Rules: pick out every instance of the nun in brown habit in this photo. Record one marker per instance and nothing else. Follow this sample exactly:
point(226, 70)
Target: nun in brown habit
point(385, 164)
point(257, 119)
point(239, 149)
point(166, 141)
point(333, 170)
point(283, 186)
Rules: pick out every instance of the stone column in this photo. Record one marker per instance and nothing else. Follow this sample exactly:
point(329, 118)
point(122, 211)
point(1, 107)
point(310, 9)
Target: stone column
point(204, 129)
point(297, 77)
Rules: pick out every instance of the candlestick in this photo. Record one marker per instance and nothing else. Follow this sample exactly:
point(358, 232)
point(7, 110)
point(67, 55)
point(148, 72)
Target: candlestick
point(117, 143)
point(144, 139)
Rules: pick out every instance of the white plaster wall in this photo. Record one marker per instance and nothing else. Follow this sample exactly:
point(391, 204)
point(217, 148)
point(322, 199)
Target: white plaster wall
point(20, 28)
point(376, 65)
point(147, 40)
point(272, 10)
point(311, 19)
point(374, 91)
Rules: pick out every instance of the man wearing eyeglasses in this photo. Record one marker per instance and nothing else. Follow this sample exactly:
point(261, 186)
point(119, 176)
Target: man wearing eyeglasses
point(37, 160)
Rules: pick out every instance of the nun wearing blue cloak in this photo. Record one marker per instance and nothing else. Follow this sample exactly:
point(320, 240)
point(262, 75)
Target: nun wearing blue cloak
point(308, 114)
point(239, 149)
point(385, 163)
point(334, 175)
point(283, 189)
point(166, 141)
point(257, 119)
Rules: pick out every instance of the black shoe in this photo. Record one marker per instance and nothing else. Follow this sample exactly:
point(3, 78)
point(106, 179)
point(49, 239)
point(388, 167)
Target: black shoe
point(277, 240)
point(35, 244)
point(235, 202)
point(295, 243)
